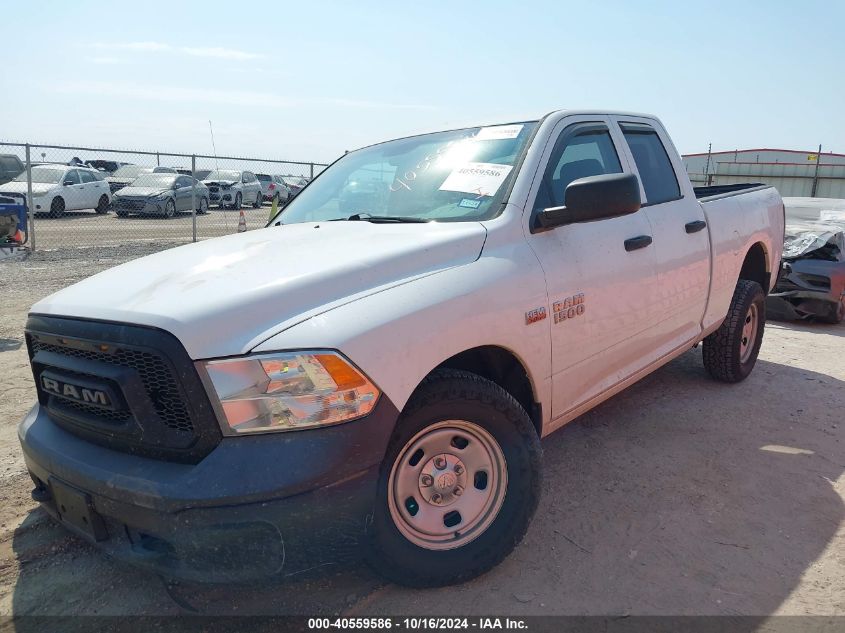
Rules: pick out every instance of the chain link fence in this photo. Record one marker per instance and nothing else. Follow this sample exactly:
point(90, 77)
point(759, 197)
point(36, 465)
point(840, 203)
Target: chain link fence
point(85, 197)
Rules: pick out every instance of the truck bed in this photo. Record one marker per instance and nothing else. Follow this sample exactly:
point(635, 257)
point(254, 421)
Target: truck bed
point(720, 190)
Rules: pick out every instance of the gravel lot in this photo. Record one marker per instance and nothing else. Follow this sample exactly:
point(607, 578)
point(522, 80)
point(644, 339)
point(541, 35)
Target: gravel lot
point(89, 230)
point(678, 496)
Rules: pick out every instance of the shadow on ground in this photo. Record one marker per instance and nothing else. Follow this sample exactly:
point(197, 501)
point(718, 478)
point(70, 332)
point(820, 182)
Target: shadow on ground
point(679, 496)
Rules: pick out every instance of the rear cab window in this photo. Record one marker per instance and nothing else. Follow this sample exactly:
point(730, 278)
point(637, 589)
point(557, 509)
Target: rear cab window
point(657, 175)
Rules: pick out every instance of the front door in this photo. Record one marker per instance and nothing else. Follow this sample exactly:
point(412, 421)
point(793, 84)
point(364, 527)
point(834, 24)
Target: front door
point(600, 275)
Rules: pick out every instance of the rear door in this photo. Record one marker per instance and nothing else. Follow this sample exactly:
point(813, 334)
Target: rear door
point(681, 240)
point(600, 292)
point(89, 188)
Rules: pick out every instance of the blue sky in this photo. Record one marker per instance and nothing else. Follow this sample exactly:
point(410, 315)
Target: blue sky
point(308, 80)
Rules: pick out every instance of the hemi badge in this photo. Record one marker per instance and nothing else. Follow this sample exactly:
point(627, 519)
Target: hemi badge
point(537, 314)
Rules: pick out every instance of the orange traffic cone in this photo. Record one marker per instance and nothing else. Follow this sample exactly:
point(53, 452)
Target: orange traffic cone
point(241, 223)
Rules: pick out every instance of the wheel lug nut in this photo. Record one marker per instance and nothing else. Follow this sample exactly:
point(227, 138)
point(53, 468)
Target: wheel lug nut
point(439, 462)
point(436, 498)
point(426, 480)
point(458, 491)
point(459, 469)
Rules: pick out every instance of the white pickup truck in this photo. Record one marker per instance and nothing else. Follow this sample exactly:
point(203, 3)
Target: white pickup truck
point(373, 371)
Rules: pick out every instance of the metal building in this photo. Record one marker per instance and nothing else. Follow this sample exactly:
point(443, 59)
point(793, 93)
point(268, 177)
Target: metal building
point(792, 172)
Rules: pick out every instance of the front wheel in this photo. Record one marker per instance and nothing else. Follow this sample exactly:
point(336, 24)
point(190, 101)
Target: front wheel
point(169, 209)
point(203, 207)
point(238, 202)
point(458, 485)
point(57, 207)
point(730, 352)
point(259, 200)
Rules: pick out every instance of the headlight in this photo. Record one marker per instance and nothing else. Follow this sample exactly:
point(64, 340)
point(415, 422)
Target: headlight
point(161, 196)
point(288, 391)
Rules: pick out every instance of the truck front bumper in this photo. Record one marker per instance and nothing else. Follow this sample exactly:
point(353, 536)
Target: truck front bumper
point(256, 506)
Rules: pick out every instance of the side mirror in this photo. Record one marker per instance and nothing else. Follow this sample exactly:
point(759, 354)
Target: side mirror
point(594, 198)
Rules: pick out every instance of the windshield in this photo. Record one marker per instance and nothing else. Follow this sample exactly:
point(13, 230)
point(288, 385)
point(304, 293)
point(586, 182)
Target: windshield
point(224, 175)
point(163, 181)
point(49, 175)
point(459, 175)
point(131, 171)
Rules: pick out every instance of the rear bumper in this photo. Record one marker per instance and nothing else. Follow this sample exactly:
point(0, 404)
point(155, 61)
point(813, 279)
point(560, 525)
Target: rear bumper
point(254, 507)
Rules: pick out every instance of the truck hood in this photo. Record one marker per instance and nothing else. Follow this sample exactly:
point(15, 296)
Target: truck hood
point(224, 296)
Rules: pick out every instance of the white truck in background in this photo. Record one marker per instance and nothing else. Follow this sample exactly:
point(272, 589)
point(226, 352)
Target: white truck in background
point(373, 371)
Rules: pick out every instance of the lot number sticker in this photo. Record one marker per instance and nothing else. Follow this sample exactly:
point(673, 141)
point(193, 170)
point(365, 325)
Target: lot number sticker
point(481, 179)
point(498, 132)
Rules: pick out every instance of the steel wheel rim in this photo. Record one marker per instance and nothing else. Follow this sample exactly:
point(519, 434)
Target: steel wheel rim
point(465, 467)
point(749, 333)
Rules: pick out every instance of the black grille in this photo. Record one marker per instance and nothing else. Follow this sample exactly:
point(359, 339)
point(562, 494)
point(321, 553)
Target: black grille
point(163, 409)
point(135, 205)
point(156, 376)
point(115, 186)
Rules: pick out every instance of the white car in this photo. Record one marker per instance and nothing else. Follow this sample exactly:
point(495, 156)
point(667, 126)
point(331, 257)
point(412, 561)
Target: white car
point(57, 188)
point(376, 379)
point(233, 189)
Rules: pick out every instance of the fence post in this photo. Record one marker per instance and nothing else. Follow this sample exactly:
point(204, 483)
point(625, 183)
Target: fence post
point(158, 160)
point(29, 204)
point(194, 196)
point(312, 171)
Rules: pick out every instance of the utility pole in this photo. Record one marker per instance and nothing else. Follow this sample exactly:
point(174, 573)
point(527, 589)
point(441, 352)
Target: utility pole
point(816, 174)
point(707, 166)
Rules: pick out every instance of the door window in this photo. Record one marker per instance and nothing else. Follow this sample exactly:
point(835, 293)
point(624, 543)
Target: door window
point(86, 176)
point(581, 150)
point(71, 177)
point(656, 171)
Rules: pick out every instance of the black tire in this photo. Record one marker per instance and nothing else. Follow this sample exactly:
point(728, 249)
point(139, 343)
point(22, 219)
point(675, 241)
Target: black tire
point(460, 395)
point(169, 208)
point(259, 200)
point(238, 202)
point(102, 205)
point(203, 206)
point(722, 350)
point(57, 207)
point(121, 213)
point(836, 314)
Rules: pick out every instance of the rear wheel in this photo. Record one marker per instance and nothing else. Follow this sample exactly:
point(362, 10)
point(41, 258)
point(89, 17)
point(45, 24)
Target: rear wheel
point(57, 207)
point(730, 352)
point(458, 485)
point(102, 205)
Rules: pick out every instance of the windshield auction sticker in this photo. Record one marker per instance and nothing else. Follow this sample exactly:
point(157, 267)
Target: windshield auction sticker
point(481, 179)
point(498, 132)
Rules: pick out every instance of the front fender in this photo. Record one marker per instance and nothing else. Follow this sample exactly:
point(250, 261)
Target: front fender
point(401, 334)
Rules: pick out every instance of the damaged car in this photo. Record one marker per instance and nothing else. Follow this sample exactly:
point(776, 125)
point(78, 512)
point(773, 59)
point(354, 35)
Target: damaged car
point(812, 276)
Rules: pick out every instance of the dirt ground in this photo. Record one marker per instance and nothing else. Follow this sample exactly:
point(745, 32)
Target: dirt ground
point(678, 496)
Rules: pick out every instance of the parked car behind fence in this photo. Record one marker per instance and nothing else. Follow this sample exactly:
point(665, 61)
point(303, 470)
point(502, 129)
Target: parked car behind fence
point(57, 188)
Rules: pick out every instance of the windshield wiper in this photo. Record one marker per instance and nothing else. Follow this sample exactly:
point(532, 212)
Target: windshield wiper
point(379, 219)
